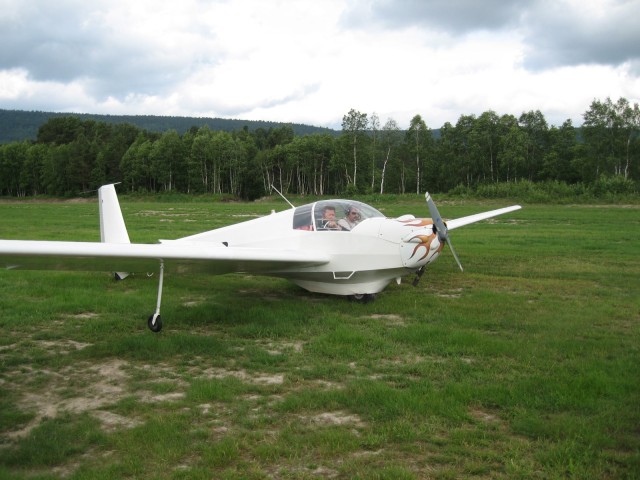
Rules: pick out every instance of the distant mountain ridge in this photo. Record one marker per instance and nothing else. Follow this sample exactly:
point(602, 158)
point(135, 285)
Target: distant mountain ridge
point(19, 125)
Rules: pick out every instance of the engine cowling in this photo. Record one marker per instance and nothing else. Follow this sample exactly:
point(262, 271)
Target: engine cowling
point(420, 247)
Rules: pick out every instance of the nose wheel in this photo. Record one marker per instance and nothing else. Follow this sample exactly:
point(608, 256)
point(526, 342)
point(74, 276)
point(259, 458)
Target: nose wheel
point(362, 297)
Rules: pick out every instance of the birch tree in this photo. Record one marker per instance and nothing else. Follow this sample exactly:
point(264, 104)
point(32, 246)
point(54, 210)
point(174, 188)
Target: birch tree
point(354, 125)
point(419, 135)
point(375, 127)
point(391, 138)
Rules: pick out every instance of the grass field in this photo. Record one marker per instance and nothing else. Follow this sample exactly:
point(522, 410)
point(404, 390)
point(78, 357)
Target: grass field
point(525, 366)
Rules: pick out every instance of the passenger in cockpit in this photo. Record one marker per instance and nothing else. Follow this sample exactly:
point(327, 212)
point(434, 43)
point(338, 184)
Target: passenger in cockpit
point(328, 221)
point(351, 219)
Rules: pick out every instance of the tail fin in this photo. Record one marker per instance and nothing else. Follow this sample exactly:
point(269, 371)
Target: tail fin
point(112, 227)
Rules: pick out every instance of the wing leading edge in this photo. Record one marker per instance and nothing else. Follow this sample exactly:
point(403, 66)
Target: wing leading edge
point(177, 257)
point(462, 221)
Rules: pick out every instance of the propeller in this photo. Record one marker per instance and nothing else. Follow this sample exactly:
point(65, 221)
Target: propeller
point(440, 228)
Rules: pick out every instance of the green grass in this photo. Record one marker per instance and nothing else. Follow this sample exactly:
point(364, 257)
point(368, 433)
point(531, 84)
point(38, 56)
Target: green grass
point(525, 366)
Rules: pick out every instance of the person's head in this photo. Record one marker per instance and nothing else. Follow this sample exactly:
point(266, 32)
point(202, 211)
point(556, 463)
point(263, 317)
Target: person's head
point(352, 214)
point(329, 213)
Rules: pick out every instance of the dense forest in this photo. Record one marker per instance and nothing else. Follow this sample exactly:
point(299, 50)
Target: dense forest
point(71, 154)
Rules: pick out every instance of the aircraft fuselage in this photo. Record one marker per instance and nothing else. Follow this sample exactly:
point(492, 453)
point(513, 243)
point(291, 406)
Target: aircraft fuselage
point(361, 261)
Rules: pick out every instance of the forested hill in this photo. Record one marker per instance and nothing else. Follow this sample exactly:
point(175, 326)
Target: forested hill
point(18, 125)
point(73, 154)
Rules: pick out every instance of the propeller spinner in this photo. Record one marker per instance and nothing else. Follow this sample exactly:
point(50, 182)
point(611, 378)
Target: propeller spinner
point(440, 227)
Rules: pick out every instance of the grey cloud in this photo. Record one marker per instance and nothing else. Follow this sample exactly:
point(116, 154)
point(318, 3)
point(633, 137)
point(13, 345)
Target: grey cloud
point(455, 17)
point(560, 36)
point(44, 41)
point(67, 41)
point(554, 32)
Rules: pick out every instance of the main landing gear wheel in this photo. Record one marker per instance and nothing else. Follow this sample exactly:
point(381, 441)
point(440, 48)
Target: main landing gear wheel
point(155, 323)
point(362, 297)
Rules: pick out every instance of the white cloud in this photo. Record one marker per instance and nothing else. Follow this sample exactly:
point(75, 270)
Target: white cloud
point(13, 84)
point(310, 62)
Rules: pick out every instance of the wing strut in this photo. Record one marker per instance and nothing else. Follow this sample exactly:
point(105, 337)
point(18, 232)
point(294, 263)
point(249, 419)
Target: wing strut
point(155, 322)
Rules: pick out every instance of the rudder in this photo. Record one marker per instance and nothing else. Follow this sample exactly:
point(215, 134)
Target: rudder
point(112, 226)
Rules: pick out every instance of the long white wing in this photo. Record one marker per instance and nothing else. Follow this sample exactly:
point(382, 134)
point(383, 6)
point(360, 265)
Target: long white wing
point(460, 222)
point(177, 257)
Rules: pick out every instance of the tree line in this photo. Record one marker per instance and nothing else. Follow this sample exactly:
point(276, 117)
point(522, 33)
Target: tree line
point(71, 155)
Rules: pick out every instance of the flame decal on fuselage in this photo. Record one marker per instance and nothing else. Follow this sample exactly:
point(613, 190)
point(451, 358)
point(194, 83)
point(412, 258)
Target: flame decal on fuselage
point(425, 242)
point(422, 236)
point(417, 222)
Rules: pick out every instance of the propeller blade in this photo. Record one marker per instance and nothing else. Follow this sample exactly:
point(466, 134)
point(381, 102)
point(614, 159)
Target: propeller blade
point(441, 228)
point(455, 255)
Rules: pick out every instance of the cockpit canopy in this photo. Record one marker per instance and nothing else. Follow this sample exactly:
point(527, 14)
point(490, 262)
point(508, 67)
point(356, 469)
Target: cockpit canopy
point(312, 216)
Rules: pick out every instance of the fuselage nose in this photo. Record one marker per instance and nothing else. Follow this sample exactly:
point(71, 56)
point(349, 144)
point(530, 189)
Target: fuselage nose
point(420, 247)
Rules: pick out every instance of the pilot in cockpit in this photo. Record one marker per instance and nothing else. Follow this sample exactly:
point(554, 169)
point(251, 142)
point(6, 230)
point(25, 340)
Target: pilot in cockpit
point(351, 219)
point(328, 221)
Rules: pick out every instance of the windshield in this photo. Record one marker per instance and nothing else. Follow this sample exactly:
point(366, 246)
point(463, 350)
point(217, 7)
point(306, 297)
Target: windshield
point(332, 215)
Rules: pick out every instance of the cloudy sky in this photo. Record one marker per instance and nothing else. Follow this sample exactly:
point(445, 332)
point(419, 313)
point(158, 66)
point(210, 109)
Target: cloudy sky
point(311, 61)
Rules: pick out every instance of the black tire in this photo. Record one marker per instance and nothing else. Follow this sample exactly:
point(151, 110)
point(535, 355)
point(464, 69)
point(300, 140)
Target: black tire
point(362, 297)
point(155, 327)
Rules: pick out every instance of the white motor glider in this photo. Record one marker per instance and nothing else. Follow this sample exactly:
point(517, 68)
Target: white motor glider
point(311, 245)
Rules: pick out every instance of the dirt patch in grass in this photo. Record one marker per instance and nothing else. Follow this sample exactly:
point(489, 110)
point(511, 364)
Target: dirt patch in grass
point(83, 315)
point(192, 302)
point(391, 319)
point(279, 348)
point(483, 415)
point(242, 375)
point(11, 346)
point(158, 213)
point(149, 397)
point(328, 385)
point(112, 421)
point(100, 385)
point(452, 293)
point(338, 418)
point(62, 347)
point(94, 388)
